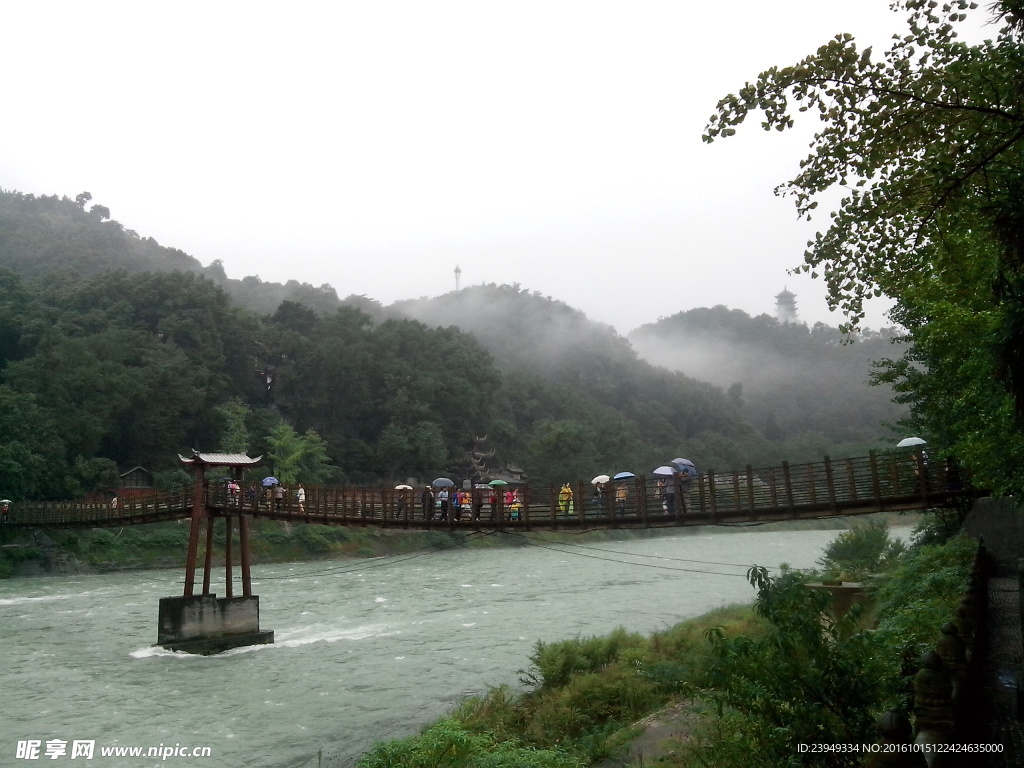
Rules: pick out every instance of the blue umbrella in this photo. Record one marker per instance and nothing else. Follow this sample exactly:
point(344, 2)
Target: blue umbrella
point(624, 476)
point(269, 481)
point(685, 465)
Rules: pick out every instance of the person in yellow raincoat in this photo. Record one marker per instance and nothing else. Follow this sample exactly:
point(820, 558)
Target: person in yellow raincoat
point(565, 500)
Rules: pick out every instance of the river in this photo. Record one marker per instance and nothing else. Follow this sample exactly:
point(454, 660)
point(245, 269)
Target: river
point(365, 650)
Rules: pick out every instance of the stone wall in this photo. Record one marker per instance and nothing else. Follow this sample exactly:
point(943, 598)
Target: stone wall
point(1001, 523)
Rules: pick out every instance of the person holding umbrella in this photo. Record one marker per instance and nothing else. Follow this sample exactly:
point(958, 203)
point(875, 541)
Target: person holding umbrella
point(621, 491)
point(442, 502)
point(600, 484)
point(268, 490)
point(683, 480)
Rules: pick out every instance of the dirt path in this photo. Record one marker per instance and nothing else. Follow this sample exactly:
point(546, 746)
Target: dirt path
point(662, 733)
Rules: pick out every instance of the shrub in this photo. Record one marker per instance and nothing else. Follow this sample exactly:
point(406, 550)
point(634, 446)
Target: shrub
point(161, 538)
point(100, 538)
point(311, 539)
point(921, 595)
point(862, 550)
point(447, 744)
point(554, 663)
point(810, 679)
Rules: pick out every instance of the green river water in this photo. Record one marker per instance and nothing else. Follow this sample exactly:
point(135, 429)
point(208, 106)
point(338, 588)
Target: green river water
point(365, 650)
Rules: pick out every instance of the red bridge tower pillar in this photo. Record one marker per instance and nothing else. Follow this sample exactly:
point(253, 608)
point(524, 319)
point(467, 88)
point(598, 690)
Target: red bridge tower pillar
point(205, 623)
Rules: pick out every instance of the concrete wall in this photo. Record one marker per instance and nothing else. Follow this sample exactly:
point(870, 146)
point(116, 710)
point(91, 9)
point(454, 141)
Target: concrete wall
point(207, 616)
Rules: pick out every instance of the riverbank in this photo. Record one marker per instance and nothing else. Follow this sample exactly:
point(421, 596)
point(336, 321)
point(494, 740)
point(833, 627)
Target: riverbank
point(66, 552)
point(710, 690)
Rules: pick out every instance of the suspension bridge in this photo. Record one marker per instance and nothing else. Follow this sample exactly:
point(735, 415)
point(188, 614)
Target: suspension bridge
point(205, 623)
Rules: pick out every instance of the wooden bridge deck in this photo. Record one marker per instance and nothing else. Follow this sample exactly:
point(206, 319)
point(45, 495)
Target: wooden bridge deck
point(876, 483)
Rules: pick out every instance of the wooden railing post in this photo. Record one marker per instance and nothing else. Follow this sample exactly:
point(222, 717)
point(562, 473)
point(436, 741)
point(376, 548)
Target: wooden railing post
point(831, 485)
point(787, 478)
point(641, 499)
point(876, 481)
point(851, 479)
point(750, 492)
point(712, 495)
point(525, 498)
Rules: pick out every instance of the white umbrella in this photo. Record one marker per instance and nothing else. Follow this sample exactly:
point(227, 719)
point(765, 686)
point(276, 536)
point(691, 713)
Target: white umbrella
point(909, 441)
point(403, 487)
point(665, 471)
point(600, 479)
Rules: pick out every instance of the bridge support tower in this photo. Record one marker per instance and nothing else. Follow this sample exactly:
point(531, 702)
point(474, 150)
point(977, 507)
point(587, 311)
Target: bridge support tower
point(204, 623)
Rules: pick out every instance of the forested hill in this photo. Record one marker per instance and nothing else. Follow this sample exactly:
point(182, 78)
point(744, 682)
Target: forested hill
point(117, 352)
point(44, 234)
point(791, 380)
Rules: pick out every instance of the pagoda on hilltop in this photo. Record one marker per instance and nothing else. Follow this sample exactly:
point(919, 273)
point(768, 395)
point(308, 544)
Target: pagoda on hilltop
point(785, 307)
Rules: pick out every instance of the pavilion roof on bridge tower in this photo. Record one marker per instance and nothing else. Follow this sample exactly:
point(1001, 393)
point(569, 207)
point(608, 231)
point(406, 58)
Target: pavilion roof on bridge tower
point(220, 459)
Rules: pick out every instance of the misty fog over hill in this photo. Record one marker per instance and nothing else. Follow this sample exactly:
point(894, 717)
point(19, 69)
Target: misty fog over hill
point(790, 378)
point(785, 379)
point(519, 326)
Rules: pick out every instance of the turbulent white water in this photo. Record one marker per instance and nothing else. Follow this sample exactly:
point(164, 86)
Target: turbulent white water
point(365, 650)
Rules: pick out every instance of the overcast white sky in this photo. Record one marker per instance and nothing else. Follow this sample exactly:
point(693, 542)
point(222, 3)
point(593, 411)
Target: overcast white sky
point(376, 145)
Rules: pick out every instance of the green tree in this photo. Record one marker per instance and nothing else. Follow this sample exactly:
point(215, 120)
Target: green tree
point(32, 457)
point(812, 679)
point(234, 413)
point(298, 458)
point(925, 142)
point(563, 451)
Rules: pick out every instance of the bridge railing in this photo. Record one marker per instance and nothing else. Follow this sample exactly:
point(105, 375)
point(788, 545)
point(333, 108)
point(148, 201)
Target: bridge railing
point(164, 505)
point(872, 483)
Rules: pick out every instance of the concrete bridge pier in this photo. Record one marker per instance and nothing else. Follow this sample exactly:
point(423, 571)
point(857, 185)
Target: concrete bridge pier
point(204, 623)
